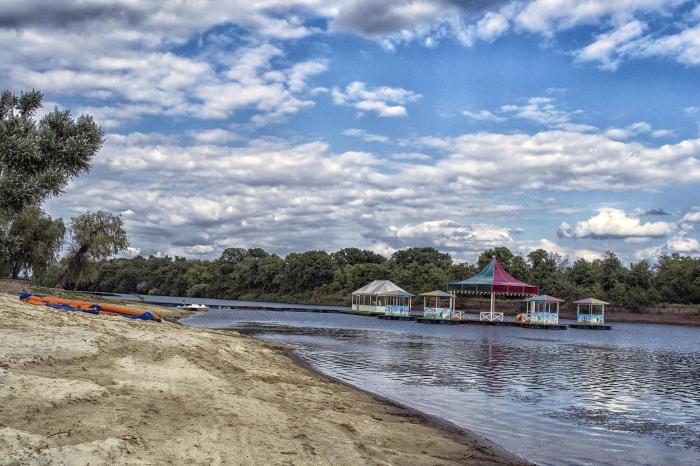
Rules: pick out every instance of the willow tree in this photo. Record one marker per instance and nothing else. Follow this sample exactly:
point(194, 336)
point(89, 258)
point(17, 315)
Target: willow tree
point(95, 236)
point(34, 242)
point(38, 158)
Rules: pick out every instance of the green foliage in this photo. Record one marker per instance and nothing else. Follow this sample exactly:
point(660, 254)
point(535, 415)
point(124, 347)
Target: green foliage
point(424, 256)
point(34, 240)
point(315, 276)
point(353, 256)
point(501, 253)
point(678, 279)
point(95, 236)
point(38, 159)
point(306, 271)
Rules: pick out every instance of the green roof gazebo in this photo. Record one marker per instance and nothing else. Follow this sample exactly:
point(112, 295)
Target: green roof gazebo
point(586, 311)
point(434, 305)
point(397, 303)
point(493, 280)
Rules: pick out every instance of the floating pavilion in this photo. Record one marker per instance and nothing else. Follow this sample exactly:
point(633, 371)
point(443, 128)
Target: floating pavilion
point(539, 310)
point(590, 311)
point(439, 305)
point(493, 280)
point(382, 297)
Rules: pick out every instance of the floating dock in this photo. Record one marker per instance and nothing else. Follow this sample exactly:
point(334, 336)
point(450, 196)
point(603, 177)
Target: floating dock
point(590, 327)
point(496, 323)
point(422, 320)
point(385, 317)
point(275, 308)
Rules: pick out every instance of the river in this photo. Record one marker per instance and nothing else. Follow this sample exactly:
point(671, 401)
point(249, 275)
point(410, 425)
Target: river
point(626, 396)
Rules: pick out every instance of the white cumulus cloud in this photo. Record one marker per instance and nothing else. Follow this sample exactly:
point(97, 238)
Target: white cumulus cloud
point(612, 223)
point(384, 101)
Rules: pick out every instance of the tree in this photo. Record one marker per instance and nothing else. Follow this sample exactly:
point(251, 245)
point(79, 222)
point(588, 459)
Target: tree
point(581, 273)
point(353, 256)
point(546, 270)
point(305, 271)
point(34, 242)
point(612, 273)
point(501, 253)
point(96, 236)
point(38, 159)
point(678, 279)
point(518, 268)
point(421, 256)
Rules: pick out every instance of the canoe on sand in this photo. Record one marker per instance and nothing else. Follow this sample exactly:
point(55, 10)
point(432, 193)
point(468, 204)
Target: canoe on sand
point(87, 306)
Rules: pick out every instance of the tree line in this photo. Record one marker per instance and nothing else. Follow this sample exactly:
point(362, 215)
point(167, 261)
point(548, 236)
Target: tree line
point(321, 277)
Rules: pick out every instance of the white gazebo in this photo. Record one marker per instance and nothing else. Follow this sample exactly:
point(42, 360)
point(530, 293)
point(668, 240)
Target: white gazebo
point(382, 297)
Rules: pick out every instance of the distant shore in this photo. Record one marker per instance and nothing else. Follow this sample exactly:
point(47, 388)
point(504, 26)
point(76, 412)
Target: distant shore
point(671, 314)
point(79, 388)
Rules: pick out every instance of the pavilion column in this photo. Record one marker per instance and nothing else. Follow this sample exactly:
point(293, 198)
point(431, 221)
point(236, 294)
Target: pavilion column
point(492, 304)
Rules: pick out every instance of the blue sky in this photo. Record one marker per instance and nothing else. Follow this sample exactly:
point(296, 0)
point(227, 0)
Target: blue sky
point(462, 125)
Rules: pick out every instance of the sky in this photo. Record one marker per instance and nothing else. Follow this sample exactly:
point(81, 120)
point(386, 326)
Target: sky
point(572, 126)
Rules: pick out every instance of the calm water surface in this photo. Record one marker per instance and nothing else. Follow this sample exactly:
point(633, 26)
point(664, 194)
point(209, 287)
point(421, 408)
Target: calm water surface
point(626, 396)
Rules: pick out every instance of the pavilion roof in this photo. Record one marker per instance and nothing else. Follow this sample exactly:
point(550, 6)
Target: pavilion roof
point(396, 293)
point(493, 279)
point(381, 288)
point(591, 301)
point(437, 294)
point(544, 298)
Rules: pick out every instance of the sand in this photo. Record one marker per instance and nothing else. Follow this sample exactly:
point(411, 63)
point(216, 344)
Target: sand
point(77, 389)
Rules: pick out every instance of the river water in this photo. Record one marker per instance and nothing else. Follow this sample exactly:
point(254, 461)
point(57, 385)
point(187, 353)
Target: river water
point(626, 396)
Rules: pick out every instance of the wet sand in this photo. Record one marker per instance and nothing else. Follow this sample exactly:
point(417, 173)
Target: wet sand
point(77, 388)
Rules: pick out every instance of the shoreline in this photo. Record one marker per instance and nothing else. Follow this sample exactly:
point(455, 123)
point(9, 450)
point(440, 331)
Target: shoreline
point(460, 433)
point(79, 388)
point(409, 412)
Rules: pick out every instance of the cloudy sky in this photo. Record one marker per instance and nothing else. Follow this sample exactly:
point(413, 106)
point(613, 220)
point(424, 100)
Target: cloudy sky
point(299, 124)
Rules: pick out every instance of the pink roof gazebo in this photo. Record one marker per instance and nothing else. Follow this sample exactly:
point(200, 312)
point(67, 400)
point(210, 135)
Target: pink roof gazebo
point(591, 317)
point(493, 280)
point(539, 309)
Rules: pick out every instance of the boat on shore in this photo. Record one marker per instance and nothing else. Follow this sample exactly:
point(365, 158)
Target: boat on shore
point(194, 307)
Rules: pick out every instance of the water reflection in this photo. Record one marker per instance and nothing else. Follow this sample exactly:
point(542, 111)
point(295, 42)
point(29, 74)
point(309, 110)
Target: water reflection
point(577, 397)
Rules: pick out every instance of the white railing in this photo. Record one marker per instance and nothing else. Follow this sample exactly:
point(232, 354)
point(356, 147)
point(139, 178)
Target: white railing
point(491, 317)
point(368, 308)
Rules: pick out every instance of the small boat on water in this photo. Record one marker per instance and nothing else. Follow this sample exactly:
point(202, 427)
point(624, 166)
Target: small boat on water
point(194, 307)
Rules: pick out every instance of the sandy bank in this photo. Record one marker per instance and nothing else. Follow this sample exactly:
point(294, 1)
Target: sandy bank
point(77, 388)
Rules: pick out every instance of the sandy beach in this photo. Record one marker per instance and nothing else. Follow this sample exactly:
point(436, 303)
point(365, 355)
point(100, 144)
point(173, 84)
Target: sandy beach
point(78, 389)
